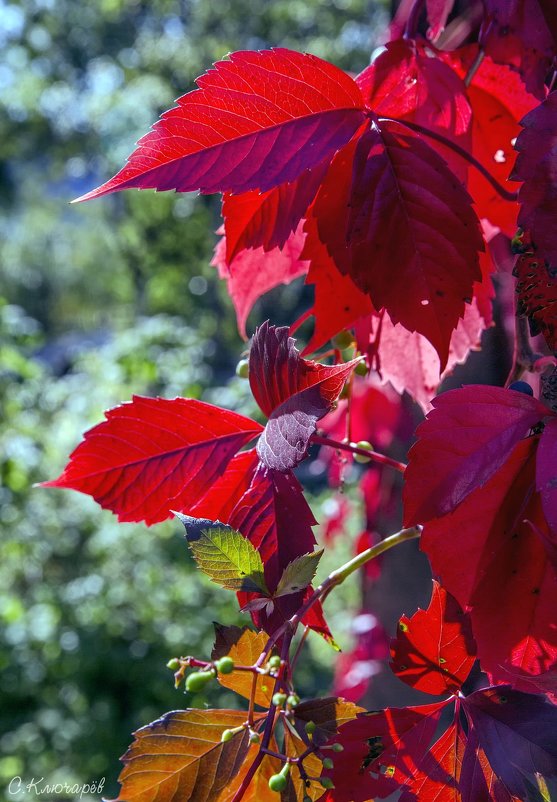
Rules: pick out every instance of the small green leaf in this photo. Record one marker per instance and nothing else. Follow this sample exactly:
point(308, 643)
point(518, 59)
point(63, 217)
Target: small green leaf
point(298, 574)
point(228, 558)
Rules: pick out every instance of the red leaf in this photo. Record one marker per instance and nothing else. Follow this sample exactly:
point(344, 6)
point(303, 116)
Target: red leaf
point(515, 32)
point(546, 475)
point(518, 733)
point(535, 163)
point(154, 454)
point(267, 219)
point(399, 205)
point(434, 649)
point(467, 437)
point(490, 554)
point(295, 393)
point(355, 670)
point(408, 82)
point(382, 751)
point(257, 120)
point(499, 100)
point(536, 288)
point(227, 491)
point(253, 272)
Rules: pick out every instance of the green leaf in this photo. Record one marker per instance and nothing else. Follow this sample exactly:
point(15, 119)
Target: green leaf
point(298, 574)
point(226, 556)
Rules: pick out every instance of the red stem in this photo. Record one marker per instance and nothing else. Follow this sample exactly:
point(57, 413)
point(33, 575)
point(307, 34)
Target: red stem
point(374, 456)
point(499, 188)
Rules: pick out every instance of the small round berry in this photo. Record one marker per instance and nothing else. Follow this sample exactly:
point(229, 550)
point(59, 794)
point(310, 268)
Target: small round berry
point(521, 387)
point(293, 700)
point(274, 662)
point(173, 664)
point(279, 699)
point(328, 763)
point(364, 445)
point(197, 681)
point(337, 748)
point(225, 665)
point(342, 340)
point(326, 782)
point(361, 369)
point(310, 727)
point(242, 369)
point(227, 735)
point(255, 738)
point(278, 783)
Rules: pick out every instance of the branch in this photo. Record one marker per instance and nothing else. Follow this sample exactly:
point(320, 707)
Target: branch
point(499, 188)
point(374, 456)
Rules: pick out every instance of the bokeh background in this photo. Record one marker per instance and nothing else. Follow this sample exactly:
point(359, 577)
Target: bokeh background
point(97, 302)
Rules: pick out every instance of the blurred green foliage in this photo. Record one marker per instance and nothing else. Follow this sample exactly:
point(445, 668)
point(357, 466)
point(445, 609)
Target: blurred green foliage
point(100, 301)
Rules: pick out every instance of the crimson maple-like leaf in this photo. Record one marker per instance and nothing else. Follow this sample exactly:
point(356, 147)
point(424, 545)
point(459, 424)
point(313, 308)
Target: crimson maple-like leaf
point(293, 392)
point(434, 649)
point(254, 271)
point(382, 751)
point(546, 475)
point(535, 167)
point(258, 119)
point(536, 288)
point(518, 733)
point(493, 554)
point(154, 454)
point(468, 436)
point(393, 217)
point(515, 32)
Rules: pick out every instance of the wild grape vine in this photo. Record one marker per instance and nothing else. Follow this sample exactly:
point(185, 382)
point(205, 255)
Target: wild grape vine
point(387, 192)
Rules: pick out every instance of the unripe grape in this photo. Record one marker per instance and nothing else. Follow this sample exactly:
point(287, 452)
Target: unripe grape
point(361, 369)
point(328, 763)
point(274, 662)
point(363, 444)
point(342, 340)
point(278, 783)
point(293, 700)
point(227, 735)
point(255, 738)
point(242, 369)
point(173, 664)
point(197, 681)
point(225, 665)
point(337, 748)
point(279, 699)
point(310, 727)
point(326, 782)
point(521, 387)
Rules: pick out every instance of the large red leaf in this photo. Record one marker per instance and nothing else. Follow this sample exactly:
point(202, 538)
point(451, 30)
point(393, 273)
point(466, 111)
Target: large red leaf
point(154, 454)
point(546, 474)
point(535, 166)
point(434, 649)
point(394, 218)
point(257, 120)
point(518, 733)
point(408, 82)
point(491, 554)
point(266, 219)
point(466, 438)
point(536, 288)
point(254, 271)
point(515, 32)
point(294, 392)
point(382, 750)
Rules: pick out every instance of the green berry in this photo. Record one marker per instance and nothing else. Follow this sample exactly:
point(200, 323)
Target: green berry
point(342, 340)
point(337, 748)
point(228, 735)
point(293, 700)
point(274, 662)
point(361, 369)
point(225, 665)
point(279, 699)
point(278, 783)
point(366, 446)
point(326, 782)
point(242, 369)
point(255, 738)
point(197, 681)
point(310, 727)
point(173, 664)
point(328, 763)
